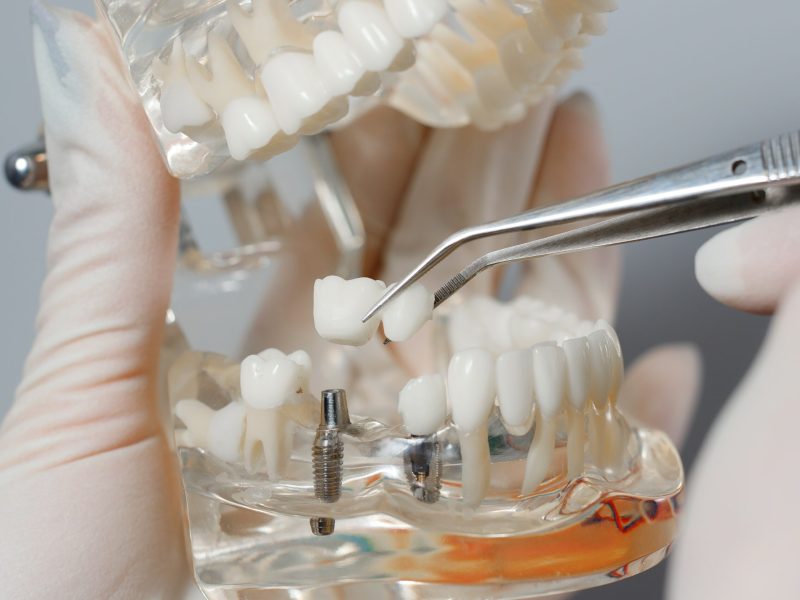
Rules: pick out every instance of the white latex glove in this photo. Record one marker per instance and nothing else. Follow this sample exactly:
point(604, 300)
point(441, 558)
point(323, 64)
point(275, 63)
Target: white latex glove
point(739, 534)
point(89, 494)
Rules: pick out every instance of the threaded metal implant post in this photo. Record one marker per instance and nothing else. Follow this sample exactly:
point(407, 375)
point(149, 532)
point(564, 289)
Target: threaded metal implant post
point(327, 455)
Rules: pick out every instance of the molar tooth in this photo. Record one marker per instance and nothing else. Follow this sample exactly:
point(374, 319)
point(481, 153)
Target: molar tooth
point(226, 432)
point(415, 18)
point(298, 96)
point(197, 417)
point(269, 383)
point(339, 306)
point(549, 372)
point(339, 65)
point(576, 351)
point(471, 393)
point(181, 106)
point(268, 441)
point(423, 404)
point(407, 313)
point(368, 30)
point(515, 390)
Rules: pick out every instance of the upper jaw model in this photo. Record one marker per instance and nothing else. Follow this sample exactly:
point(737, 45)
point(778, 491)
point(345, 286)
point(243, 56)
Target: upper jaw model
point(514, 444)
point(246, 79)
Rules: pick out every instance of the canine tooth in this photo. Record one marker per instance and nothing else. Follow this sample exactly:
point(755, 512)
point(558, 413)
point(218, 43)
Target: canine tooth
point(475, 464)
point(337, 63)
point(576, 351)
point(415, 18)
point(270, 383)
point(226, 432)
point(196, 416)
point(515, 389)
point(423, 404)
point(295, 88)
point(368, 30)
point(471, 393)
point(181, 106)
point(269, 25)
point(339, 306)
point(549, 372)
point(407, 313)
point(471, 388)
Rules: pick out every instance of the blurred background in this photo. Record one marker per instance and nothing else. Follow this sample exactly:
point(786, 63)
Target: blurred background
point(675, 81)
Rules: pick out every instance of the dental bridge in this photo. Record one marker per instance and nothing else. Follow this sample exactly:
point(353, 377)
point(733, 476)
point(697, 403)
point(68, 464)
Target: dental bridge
point(505, 470)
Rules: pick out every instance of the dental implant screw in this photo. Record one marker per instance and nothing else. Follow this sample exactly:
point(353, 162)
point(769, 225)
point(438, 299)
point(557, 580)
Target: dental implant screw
point(327, 455)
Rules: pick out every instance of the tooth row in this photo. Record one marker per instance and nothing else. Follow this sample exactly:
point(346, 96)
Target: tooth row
point(481, 60)
point(258, 430)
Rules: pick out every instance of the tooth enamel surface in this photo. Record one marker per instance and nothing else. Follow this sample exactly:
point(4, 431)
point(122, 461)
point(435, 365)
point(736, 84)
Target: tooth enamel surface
point(302, 360)
point(337, 63)
point(471, 388)
point(549, 372)
point(339, 306)
point(368, 30)
point(515, 389)
point(197, 417)
point(269, 383)
point(226, 432)
point(295, 88)
point(601, 364)
point(414, 18)
point(181, 107)
point(423, 405)
point(407, 313)
point(576, 351)
point(249, 125)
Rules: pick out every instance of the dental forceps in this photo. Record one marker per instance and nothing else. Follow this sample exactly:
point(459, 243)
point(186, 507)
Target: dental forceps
point(730, 187)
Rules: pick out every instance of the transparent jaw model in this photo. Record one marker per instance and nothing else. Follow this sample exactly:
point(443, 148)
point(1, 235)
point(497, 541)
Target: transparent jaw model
point(331, 489)
point(224, 79)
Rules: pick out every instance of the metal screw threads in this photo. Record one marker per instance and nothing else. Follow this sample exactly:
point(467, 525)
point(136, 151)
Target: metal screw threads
point(424, 468)
point(327, 455)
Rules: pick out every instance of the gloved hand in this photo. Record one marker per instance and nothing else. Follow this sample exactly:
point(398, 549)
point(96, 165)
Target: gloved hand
point(89, 496)
point(739, 534)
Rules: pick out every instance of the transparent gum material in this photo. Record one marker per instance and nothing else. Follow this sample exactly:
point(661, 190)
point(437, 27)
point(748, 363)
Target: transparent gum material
point(396, 537)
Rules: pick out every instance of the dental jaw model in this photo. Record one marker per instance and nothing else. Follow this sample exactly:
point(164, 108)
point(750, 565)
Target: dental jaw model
point(515, 447)
point(244, 79)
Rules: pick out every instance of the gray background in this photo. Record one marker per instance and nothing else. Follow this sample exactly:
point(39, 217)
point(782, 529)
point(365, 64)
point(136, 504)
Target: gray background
point(675, 81)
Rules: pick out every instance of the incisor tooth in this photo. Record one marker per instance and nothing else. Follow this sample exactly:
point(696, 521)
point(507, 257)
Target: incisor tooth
point(576, 351)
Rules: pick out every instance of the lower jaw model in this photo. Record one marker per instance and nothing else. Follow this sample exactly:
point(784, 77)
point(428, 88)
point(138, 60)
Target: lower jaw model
point(510, 466)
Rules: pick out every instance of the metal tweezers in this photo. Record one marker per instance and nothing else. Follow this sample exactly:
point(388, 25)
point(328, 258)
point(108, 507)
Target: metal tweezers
point(730, 187)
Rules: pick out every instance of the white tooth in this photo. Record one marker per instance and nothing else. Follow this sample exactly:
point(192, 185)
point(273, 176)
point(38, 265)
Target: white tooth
point(606, 434)
point(415, 18)
point(601, 363)
point(594, 24)
point(407, 313)
point(475, 464)
point(181, 106)
point(339, 306)
point(196, 416)
point(423, 405)
point(368, 30)
point(226, 432)
point(564, 17)
point(337, 63)
point(268, 440)
point(269, 383)
point(295, 89)
point(515, 390)
point(550, 377)
point(471, 388)
point(249, 125)
point(576, 351)
point(303, 360)
point(549, 372)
